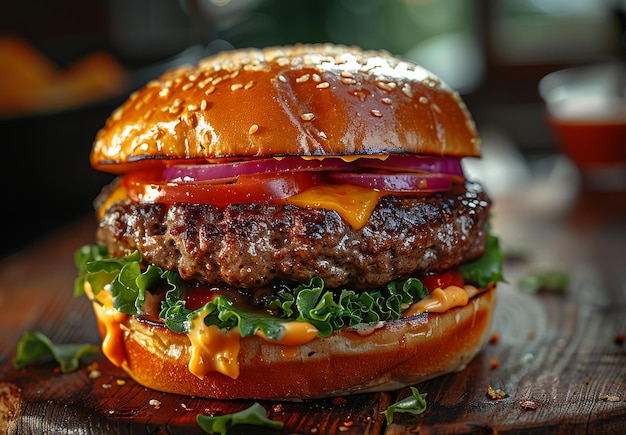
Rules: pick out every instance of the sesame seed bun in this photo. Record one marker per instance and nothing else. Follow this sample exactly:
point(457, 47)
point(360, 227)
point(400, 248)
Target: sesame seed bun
point(299, 100)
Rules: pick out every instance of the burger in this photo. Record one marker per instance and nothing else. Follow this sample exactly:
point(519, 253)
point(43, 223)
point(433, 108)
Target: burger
point(290, 222)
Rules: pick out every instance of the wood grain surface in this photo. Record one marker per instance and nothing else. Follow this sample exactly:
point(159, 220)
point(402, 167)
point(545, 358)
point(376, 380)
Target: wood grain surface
point(554, 354)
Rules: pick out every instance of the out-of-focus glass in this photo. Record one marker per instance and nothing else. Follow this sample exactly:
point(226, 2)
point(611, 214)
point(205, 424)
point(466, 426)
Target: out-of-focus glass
point(586, 109)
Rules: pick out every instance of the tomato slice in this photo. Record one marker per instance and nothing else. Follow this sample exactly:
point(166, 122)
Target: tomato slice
point(148, 187)
point(443, 280)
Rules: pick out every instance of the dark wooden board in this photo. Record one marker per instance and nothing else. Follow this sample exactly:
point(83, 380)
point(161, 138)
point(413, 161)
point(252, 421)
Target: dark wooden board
point(558, 350)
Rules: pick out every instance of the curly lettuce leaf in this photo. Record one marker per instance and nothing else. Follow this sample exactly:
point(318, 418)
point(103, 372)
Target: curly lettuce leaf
point(414, 404)
point(36, 346)
point(255, 415)
point(330, 311)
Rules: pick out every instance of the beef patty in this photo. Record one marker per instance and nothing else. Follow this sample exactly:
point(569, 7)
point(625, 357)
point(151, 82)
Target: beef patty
point(251, 245)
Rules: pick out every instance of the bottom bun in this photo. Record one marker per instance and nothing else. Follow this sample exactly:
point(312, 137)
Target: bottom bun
point(384, 357)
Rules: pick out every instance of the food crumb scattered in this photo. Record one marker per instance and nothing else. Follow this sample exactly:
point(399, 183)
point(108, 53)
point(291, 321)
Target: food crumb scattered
point(494, 364)
point(120, 382)
point(529, 404)
point(343, 429)
point(94, 374)
point(185, 407)
point(156, 403)
point(348, 423)
point(277, 408)
point(112, 411)
point(314, 430)
point(106, 386)
point(495, 394)
point(608, 398)
point(494, 338)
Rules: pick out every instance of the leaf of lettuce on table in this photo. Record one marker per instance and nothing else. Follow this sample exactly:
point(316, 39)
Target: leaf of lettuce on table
point(255, 415)
point(35, 346)
point(414, 404)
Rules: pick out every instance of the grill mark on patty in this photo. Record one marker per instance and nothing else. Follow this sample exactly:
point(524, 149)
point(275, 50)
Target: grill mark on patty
point(251, 245)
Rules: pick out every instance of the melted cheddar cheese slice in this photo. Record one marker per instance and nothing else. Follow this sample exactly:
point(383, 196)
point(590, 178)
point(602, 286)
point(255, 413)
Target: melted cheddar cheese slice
point(354, 204)
point(217, 350)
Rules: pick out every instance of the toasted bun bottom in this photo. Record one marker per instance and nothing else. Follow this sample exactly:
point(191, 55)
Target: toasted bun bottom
point(388, 357)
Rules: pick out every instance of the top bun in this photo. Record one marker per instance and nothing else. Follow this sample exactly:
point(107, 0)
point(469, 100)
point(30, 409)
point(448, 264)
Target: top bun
point(318, 100)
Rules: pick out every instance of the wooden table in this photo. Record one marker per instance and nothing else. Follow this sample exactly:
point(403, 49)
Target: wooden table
point(556, 352)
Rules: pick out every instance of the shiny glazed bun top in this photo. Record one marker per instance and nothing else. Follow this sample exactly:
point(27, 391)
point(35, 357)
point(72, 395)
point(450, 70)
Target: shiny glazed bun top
point(318, 100)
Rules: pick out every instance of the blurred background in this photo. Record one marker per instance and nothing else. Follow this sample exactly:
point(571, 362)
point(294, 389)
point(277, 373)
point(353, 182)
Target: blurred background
point(66, 64)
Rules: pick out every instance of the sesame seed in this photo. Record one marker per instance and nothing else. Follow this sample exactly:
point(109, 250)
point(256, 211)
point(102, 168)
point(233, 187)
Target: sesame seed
point(347, 81)
point(118, 114)
point(307, 116)
point(386, 86)
point(346, 74)
point(322, 85)
point(204, 82)
point(406, 90)
point(248, 85)
point(138, 105)
point(164, 92)
point(376, 113)
point(177, 102)
point(253, 129)
point(234, 74)
point(192, 77)
point(187, 86)
point(210, 90)
point(203, 105)
point(423, 100)
point(304, 78)
point(217, 80)
point(386, 101)
point(282, 78)
point(316, 78)
point(436, 108)
point(322, 135)
point(156, 403)
point(148, 114)
point(192, 107)
point(236, 86)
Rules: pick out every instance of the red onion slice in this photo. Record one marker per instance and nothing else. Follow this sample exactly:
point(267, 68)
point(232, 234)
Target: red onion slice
point(409, 163)
point(229, 171)
point(396, 182)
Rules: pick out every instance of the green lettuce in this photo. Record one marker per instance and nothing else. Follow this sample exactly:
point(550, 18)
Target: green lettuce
point(488, 268)
point(36, 346)
point(414, 404)
point(255, 415)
